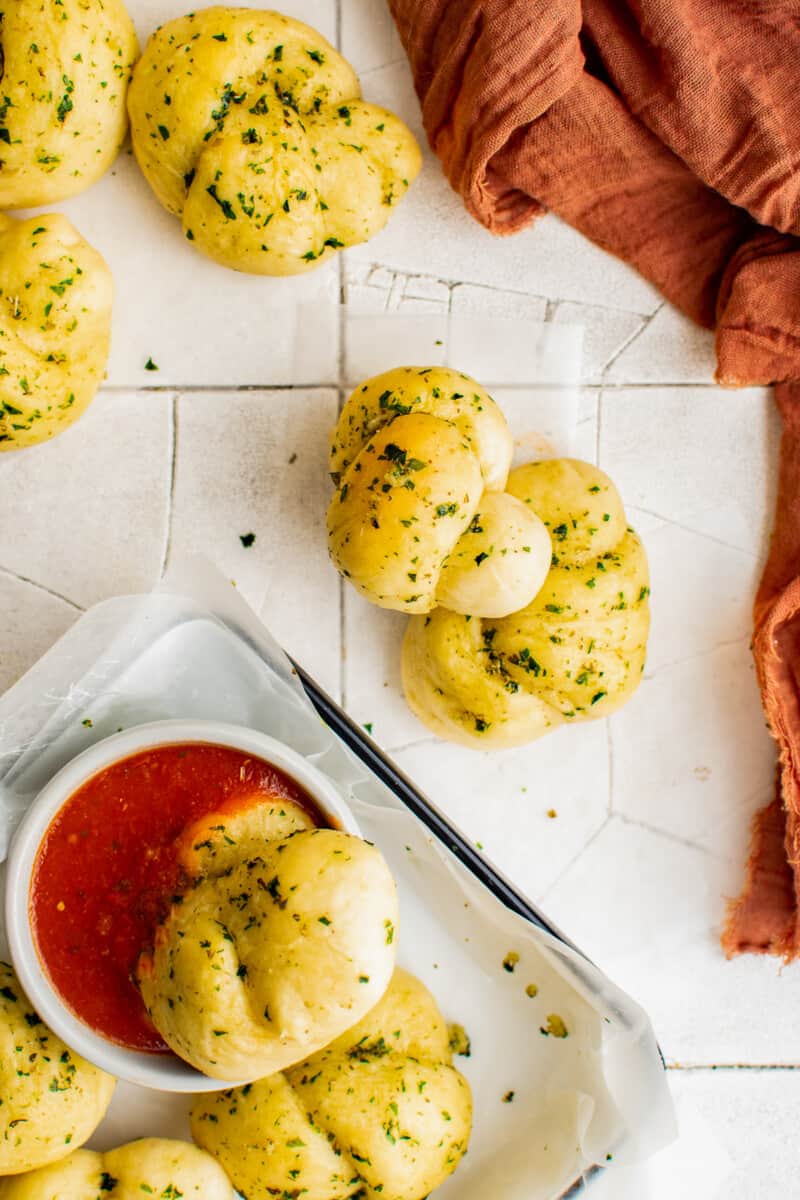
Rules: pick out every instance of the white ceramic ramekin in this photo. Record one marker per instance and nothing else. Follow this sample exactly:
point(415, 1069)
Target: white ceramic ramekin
point(164, 1072)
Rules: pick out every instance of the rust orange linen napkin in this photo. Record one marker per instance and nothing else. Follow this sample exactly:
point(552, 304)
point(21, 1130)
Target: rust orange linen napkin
point(668, 132)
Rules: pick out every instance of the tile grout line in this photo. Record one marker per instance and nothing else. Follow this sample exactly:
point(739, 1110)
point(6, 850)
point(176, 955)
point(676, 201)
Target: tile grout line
point(710, 537)
point(629, 341)
point(42, 588)
point(421, 741)
point(173, 462)
point(459, 281)
point(744, 641)
point(111, 389)
point(691, 1068)
point(542, 898)
point(212, 388)
point(687, 843)
point(396, 62)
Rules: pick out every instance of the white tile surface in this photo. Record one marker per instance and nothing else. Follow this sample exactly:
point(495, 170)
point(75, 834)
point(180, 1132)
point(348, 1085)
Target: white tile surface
point(669, 349)
point(32, 619)
point(653, 807)
point(753, 1114)
point(586, 432)
point(704, 458)
point(373, 695)
point(690, 752)
point(607, 331)
point(480, 300)
point(369, 37)
point(489, 795)
point(86, 514)
point(648, 908)
point(249, 463)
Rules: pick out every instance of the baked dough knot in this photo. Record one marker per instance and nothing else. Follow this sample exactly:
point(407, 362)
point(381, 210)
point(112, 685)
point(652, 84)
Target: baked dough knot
point(576, 652)
point(250, 127)
point(157, 1167)
point(56, 294)
point(53, 1100)
point(380, 1113)
point(66, 65)
point(420, 459)
point(262, 964)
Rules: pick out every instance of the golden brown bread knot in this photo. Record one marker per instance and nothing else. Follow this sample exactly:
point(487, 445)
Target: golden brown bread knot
point(65, 71)
point(53, 1100)
point(55, 327)
point(155, 1167)
point(250, 127)
point(575, 653)
point(420, 457)
point(381, 1112)
point(273, 953)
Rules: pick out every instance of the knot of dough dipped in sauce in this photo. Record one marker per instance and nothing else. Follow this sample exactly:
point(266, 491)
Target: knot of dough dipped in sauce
point(219, 840)
point(250, 127)
point(55, 327)
point(157, 1167)
point(267, 962)
point(420, 457)
point(575, 653)
point(380, 1113)
point(52, 1099)
point(65, 71)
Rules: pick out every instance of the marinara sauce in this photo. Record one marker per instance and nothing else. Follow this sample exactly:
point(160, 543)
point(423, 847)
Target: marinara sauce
point(108, 867)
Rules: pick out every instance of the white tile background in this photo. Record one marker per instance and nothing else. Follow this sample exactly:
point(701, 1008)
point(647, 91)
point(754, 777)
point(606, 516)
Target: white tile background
point(653, 807)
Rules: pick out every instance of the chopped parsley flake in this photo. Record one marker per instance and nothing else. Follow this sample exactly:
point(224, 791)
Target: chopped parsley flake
point(225, 205)
point(459, 1041)
point(65, 104)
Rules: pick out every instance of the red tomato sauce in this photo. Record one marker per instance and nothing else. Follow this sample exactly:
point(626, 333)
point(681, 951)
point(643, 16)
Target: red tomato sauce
point(108, 867)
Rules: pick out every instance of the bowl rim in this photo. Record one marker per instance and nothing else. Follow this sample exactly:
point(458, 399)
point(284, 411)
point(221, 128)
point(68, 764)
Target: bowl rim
point(159, 1072)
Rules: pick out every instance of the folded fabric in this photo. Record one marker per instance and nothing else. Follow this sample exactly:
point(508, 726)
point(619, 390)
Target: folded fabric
point(765, 919)
point(668, 132)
